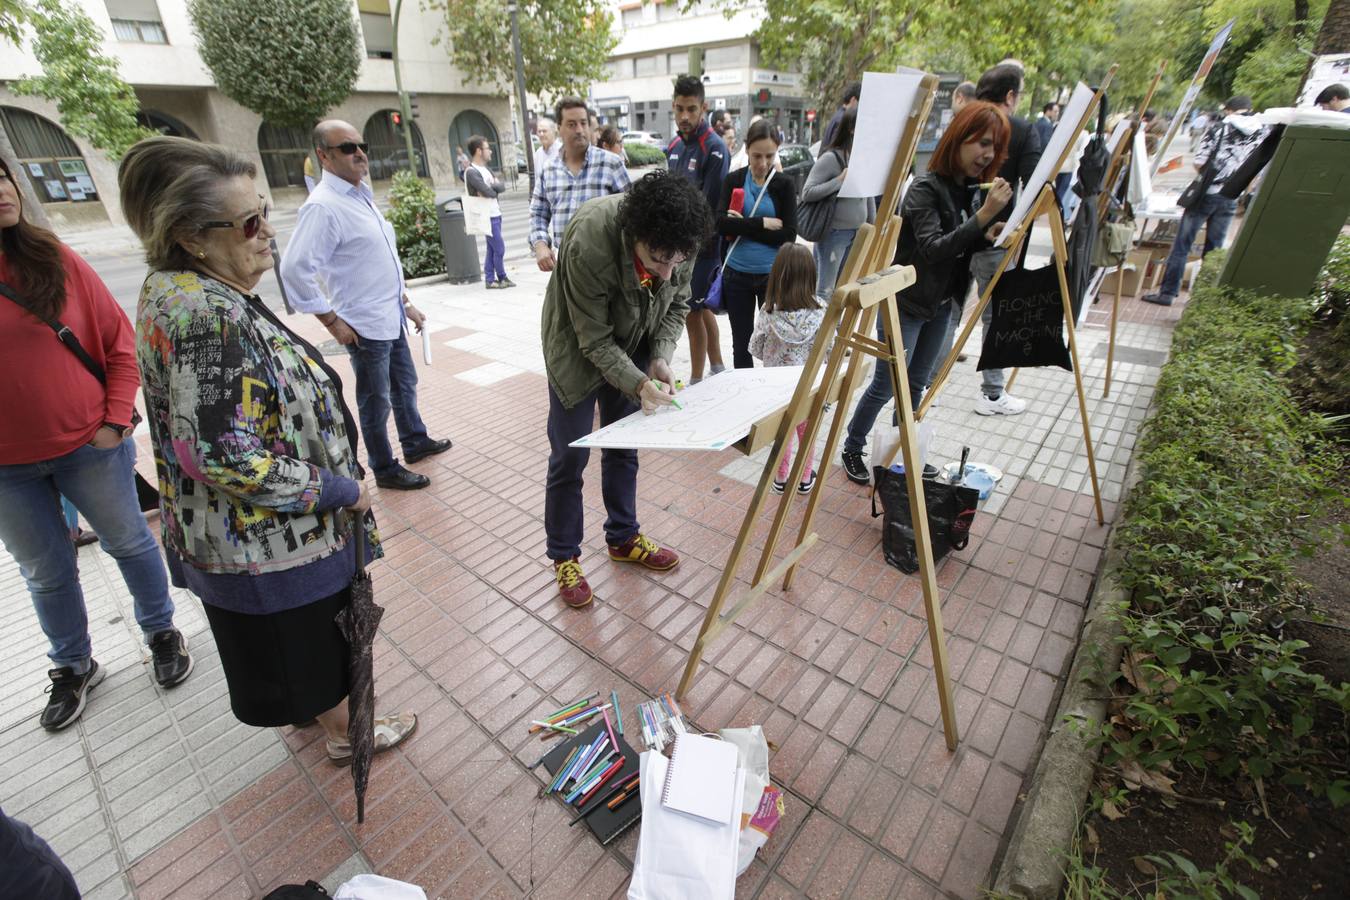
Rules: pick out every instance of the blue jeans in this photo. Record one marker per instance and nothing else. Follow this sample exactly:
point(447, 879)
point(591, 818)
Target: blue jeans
point(830, 253)
point(923, 342)
point(1213, 213)
point(102, 486)
point(494, 268)
point(983, 265)
point(564, 511)
point(386, 379)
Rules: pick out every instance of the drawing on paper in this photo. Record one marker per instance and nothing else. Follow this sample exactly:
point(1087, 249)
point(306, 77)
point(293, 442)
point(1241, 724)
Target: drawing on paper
point(716, 413)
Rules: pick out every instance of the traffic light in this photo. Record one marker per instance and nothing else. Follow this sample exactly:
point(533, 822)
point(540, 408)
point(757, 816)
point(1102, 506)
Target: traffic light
point(412, 104)
point(396, 118)
point(763, 96)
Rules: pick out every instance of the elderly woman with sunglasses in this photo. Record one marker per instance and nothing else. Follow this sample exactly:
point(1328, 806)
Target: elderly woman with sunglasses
point(255, 448)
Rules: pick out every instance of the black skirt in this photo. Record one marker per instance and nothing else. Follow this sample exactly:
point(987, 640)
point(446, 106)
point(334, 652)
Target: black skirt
point(283, 668)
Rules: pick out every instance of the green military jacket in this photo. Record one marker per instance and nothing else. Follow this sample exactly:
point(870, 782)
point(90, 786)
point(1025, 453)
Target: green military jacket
point(596, 314)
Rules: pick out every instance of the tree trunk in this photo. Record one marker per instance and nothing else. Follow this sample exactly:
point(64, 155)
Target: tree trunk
point(1334, 36)
point(32, 206)
point(1300, 18)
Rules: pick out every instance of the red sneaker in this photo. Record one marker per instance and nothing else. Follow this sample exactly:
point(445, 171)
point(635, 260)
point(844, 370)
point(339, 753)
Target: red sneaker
point(644, 551)
point(572, 585)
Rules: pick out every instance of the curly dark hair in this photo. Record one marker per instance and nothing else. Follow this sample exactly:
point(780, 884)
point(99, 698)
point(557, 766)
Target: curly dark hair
point(667, 213)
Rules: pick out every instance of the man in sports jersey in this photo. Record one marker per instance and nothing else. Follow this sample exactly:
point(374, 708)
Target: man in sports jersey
point(701, 156)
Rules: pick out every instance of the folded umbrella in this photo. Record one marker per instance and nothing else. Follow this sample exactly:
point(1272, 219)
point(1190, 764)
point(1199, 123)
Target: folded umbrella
point(358, 624)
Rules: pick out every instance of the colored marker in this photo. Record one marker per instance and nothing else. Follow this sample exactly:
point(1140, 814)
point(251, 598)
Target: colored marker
point(673, 402)
point(562, 728)
point(618, 713)
point(618, 788)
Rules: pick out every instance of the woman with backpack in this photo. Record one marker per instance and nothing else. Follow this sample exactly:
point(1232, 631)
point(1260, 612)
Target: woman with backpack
point(841, 216)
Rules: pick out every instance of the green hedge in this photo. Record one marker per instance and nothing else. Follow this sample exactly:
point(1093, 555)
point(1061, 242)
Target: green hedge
point(643, 154)
point(412, 212)
point(1230, 471)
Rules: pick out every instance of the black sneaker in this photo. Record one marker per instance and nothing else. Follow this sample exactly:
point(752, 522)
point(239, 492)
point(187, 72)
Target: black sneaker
point(805, 486)
point(855, 468)
point(778, 486)
point(69, 692)
point(173, 663)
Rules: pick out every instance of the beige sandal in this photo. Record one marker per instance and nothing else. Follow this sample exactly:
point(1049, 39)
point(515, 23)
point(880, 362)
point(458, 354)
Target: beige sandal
point(390, 731)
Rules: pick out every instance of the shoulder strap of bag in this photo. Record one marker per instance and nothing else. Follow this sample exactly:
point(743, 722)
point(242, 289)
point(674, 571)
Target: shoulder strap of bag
point(754, 208)
point(65, 336)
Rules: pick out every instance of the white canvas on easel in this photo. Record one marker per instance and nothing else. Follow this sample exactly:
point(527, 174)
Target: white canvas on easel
point(883, 109)
point(1060, 140)
point(1192, 92)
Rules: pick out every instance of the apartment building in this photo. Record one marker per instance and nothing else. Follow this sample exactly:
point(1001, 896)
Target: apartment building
point(153, 42)
point(654, 50)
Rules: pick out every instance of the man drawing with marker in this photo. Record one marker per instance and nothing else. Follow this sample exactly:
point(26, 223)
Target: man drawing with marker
point(612, 316)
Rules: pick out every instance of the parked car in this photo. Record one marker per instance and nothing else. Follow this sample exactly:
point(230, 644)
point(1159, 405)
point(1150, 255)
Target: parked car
point(522, 166)
point(650, 138)
point(797, 160)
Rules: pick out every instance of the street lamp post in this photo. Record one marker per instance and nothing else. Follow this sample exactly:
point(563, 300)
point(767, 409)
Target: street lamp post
point(403, 95)
point(513, 8)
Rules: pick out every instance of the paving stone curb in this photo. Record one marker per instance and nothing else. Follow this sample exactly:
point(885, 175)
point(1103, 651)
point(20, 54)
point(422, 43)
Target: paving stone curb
point(1032, 865)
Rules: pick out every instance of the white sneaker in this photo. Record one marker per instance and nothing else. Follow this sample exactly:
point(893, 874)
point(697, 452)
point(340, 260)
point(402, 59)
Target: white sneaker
point(1005, 405)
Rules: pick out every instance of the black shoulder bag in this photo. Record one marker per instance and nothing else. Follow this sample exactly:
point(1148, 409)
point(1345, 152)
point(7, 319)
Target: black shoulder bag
point(1200, 186)
point(147, 495)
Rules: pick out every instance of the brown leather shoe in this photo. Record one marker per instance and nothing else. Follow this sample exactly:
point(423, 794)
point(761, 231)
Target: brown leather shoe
point(645, 552)
point(572, 584)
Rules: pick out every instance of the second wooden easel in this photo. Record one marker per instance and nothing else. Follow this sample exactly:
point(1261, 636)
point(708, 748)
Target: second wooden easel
point(868, 288)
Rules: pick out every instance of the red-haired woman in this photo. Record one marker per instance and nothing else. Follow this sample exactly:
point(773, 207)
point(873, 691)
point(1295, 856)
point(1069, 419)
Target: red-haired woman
point(944, 221)
point(65, 422)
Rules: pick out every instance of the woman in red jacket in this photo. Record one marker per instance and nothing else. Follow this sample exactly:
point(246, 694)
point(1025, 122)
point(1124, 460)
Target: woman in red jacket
point(65, 424)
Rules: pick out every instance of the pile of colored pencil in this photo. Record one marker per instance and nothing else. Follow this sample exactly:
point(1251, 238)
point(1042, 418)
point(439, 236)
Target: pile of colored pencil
point(661, 719)
point(568, 719)
point(589, 766)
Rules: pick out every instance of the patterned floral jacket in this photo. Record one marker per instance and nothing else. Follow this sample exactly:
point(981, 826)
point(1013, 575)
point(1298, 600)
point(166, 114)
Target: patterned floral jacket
point(247, 422)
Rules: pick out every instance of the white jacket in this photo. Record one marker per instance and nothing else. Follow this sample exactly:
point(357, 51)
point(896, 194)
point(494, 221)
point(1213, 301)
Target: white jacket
point(785, 338)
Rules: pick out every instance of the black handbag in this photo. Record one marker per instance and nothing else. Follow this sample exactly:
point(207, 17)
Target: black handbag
point(951, 509)
point(814, 217)
point(1200, 186)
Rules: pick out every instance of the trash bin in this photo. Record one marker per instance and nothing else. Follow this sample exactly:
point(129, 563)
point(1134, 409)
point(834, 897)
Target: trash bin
point(461, 248)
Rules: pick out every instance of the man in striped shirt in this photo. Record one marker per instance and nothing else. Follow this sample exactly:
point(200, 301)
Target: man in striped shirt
point(581, 172)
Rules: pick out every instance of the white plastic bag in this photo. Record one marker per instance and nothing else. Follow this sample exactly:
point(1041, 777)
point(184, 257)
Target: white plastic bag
point(377, 887)
point(754, 759)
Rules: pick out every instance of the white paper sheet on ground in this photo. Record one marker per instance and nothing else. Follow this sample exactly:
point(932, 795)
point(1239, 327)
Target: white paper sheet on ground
point(883, 109)
point(1061, 139)
point(1188, 99)
point(717, 412)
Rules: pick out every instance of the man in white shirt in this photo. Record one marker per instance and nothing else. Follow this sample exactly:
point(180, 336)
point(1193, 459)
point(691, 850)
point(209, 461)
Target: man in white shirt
point(549, 146)
point(342, 265)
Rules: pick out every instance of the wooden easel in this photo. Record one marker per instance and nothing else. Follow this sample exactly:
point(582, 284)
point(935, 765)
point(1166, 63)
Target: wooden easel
point(1044, 205)
point(869, 287)
point(1121, 161)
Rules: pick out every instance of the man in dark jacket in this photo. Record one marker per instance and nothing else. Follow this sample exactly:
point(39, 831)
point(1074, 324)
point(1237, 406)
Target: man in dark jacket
point(1002, 86)
point(612, 317)
point(850, 101)
point(700, 155)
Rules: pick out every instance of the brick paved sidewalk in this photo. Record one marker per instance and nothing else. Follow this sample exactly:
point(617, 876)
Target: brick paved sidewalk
point(163, 794)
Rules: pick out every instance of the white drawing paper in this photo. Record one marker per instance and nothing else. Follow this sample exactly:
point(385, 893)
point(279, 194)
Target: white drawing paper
point(884, 107)
point(716, 413)
point(1070, 123)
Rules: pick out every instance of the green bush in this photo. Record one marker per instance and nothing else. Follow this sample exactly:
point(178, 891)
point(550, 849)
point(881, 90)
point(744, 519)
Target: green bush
point(643, 154)
point(1231, 471)
point(413, 214)
point(1322, 376)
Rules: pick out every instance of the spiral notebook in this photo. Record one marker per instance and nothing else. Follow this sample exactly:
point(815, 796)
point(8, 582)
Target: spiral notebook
point(701, 778)
point(605, 824)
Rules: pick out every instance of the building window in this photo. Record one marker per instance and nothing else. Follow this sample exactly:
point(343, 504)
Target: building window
point(668, 11)
point(632, 18)
point(621, 68)
point(378, 28)
point(283, 150)
point(650, 65)
point(725, 57)
point(137, 21)
point(48, 157)
point(164, 124)
point(471, 122)
point(388, 151)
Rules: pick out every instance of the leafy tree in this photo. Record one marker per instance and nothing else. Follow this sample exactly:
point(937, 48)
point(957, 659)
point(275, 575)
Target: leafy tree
point(93, 100)
point(12, 16)
point(564, 43)
point(289, 61)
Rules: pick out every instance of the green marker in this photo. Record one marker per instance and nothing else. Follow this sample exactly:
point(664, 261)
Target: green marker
point(673, 402)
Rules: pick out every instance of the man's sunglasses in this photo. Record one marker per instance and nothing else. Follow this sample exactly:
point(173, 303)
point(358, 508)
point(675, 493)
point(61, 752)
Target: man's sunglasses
point(250, 224)
point(349, 147)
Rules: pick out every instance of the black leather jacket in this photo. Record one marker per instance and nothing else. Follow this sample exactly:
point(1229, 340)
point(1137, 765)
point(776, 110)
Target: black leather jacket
point(937, 243)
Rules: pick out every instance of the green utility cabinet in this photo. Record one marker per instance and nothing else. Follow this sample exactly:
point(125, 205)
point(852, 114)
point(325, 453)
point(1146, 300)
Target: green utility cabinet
point(1297, 214)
